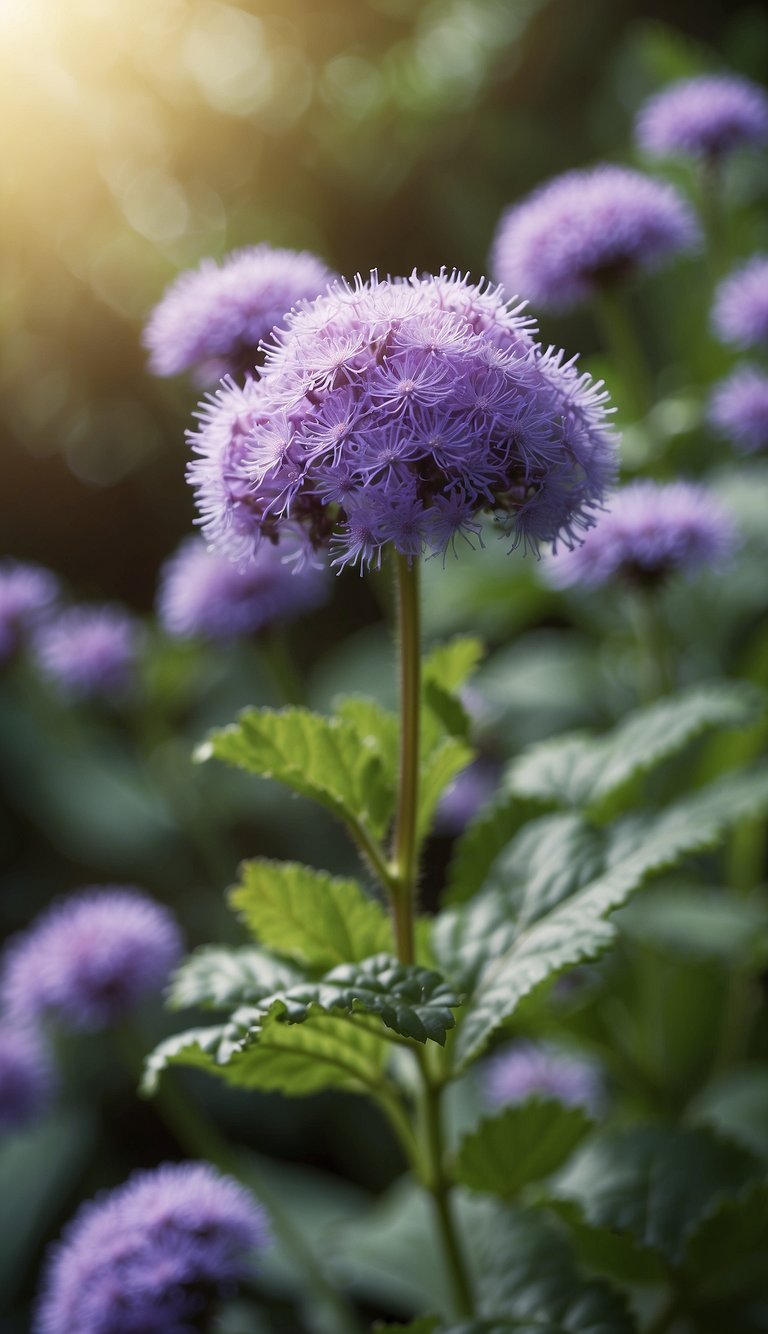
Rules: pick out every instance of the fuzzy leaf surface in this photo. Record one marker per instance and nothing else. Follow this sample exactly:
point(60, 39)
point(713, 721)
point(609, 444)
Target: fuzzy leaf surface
point(310, 916)
point(217, 977)
point(523, 1143)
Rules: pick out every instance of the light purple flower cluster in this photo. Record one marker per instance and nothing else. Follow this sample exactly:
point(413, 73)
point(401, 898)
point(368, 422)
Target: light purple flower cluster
point(90, 959)
point(397, 412)
point(529, 1069)
point(152, 1257)
point(26, 1078)
point(466, 796)
point(213, 318)
point(203, 594)
point(709, 116)
point(90, 650)
point(738, 409)
point(650, 532)
point(740, 310)
point(587, 230)
point(27, 593)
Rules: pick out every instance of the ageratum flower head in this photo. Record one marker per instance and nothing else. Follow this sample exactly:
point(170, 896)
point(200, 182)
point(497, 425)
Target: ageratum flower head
point(587, 230)
point(213, 318)
point(154, 1256)
point(204, 594)
point(528, 1070)
point(27, 593)
point(740, 310)
point(398, 412)
point(738, 409)
point(90, 650)
point(90, 959)
point(26, 1078)
point(650, 532)
point(709, 116)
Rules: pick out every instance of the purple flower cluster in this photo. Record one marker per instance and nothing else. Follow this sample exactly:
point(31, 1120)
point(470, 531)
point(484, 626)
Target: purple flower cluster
point(587, 230)
point(650, 532)
point(213, 318)
point(397, 412)
point(740, 310)
point(528, 1070)
point(203, 594)
point(709, 116)
point(153, 1256)
point(738, 409)
point(27, 593)
point(90, 650)
point(26, 1078)
point(89, 960)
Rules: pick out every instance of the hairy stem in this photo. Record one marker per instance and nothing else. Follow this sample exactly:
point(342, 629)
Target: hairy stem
point(405, 849)
point(623, 346)
point(439, 1186)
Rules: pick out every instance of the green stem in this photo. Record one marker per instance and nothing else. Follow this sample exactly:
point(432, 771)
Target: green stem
point(281, 667)
point(623, 346)
point(711, 187)
point(656, 678)
point(405, 847)
point(439, 1186)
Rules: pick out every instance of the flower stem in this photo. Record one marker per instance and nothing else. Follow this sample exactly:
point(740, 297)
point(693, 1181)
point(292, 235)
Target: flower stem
point(279, 662)
point(405, 848)
point(623, 346)
point(439, 1187)
point(711, 187)
point(656, 677)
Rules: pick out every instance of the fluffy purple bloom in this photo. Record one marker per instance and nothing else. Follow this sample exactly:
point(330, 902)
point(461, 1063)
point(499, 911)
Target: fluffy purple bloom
point(738, 409)
point(203, 593)
point(709, 116)
point(528, 1070)
point(152, 1257)
point(90, 959)
point(213, 318)
point(397, 412)
point(90, 650)
point(466, 796)
point(651, 531)
point(26, 1078)
point(27, 592)
point(740, 310)
point(587, 230)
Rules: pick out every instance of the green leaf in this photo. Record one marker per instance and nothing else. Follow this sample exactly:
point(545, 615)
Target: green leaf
point(480, 844)
point(326, 759)
point(725, 1255)
point(522, 1144)
point(450, 665)
point(579, 770)
point(218, 978)
point(444, 671)
point(506, 956)
point(658, 1183)
point(440, 768)
point(700, 921)
point(309, 915)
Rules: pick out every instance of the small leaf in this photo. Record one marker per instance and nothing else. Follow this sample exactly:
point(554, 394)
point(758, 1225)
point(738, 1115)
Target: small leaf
point(583, 771)
point(219, 978)
point(522, 1144)
point(440, 768)
point(450, 665)
point(658, 1182)
point(444, 671)
point(309, 915)
point(326, 759)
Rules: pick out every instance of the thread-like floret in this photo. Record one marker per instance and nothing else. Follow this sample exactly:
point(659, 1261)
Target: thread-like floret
point(398, 412)
point(738, 409)
point(213, 318)
point(152, 1257)
point(740, 310)
point(650, 532)
point(586, 230)
point(204, 594)
point(89, 960)
point(528, 1069)
point(90, 650)
point(26, 1078)
point(27, 593)
point(709, 116)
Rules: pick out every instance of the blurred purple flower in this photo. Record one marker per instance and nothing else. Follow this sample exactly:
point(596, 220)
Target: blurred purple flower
point(27, 592)
point(90, 650)
point(740, 310)
point(213, 318)
point(527, 1070)
point(90, 959)
point(466, 796)
point(26, 1078)
point(708, 116)
point(202, 593)
point(738, 409)
point(396, 412)
point(152, 1257)
point(586, 230)
point(651, 530)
